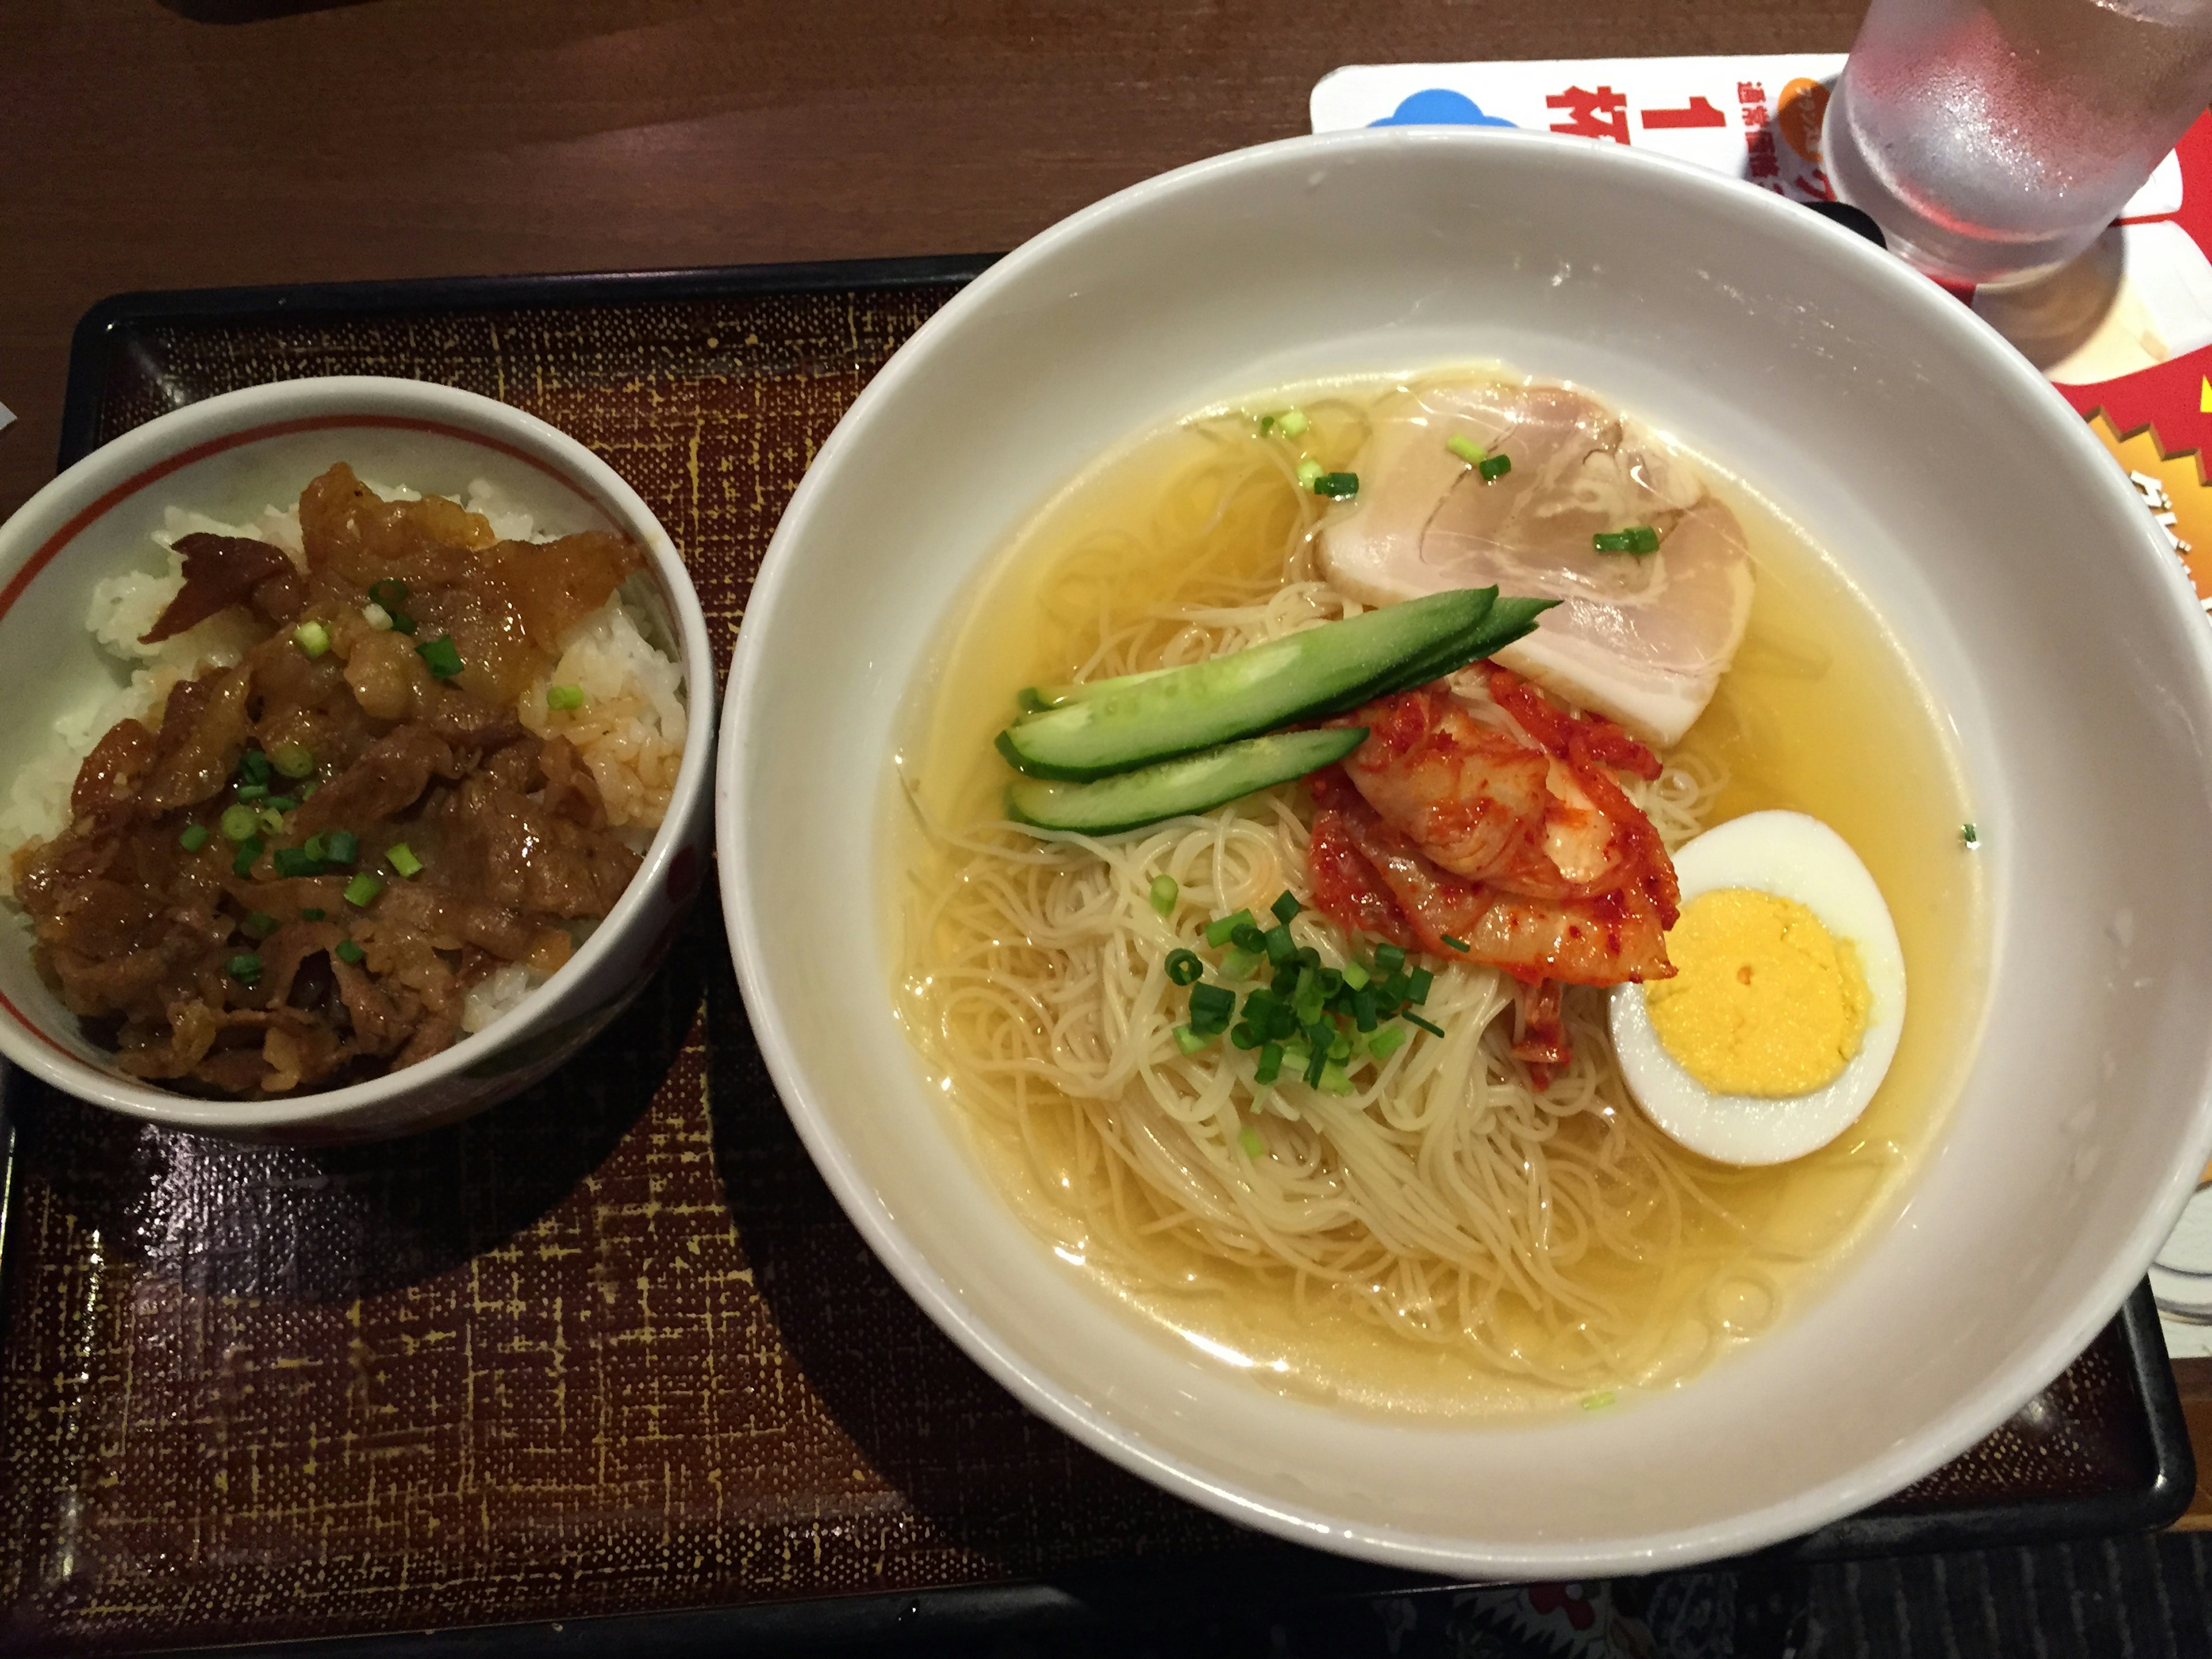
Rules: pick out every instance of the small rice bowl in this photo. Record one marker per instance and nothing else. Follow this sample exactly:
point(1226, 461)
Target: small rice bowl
point(629, 731)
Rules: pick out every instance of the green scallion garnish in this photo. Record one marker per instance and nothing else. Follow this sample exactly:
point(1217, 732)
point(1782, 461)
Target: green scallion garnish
point(1458, 945)
point(1599, 1401)
point(1309, 474)
point(1271, 1064)
point(340, 847)
point(1286, 907)
point(1387, 1042)
point(312, 913)
point(1389, 959)
point(193, 837)
point(1417, 986)
point(253, 766)
point(245, 967)
point(238, 822)
point(1162, 894)
point(349, 952)
point(1219, 933)
point(280, 803)
point(1189, 1041)
point(563, 697)
point(1637, 538)
point(1412, 1018)
point(294, 760)
point(272, 820)
point(1337, 486)
point(1317, 1063)
point(1184, 968)
point(1494, 467)
point(260, 924)
point(401, 857)
point(254, 792)
point(441, 656)
point(1969, 836)
point(294, 862)
point(391, 592)
point(241, 863)
point(1247, 1136)
point(1239, 964)
point(312, 639)
point(1466, 448)
point(402, 623)
point(362, 889)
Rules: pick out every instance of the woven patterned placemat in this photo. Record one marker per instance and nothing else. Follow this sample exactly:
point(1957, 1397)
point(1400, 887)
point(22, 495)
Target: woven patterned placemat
point(612, 1347)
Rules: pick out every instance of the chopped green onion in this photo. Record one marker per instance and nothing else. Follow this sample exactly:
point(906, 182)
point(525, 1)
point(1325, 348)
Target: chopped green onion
point(1969, 837)
point(1270, 1064)
point(1337, 485)
point(1597, 1402)
point(441, 656)
point(1432, 1030)
point(253, 792)
point(1458, 945)
point(238, 822)
point(1276, 941)
point(1389, 959)
point(1286, 907)
point(1387, 1042)
point(241, 863)
point(1317, 1063)
point(1239, 964)
point(349, 952)
point(1267, 424)
point(314, 847)
point(562, 697)
point(281, 804)
point(1247, 1136)
point(1339, 1046)
point(1331, 980)
point(1291, 422)
point(253, 766)
point(194, 837)
point(1334, 1080)
point(294, 760)
point(1495, 467)
point(340, 847)
point(1466, 448)
point(272, 820)
point(402, 623)
point(1184, 968)
point(294, 862)
point(1364, 1014)
point(362, 889)
point(312, 913)
point(1637, 538)
point(1211, 1005)
point(1309, 473)
point(1355, 976)
point(401, 857)
point(1244, 1034)
point(260, 924)
point(1221, 932)
point(1417, 987)
point(1189, 1041)
point(1163, 893)
point(391, 592)
point(307, 787)
point(245, 967)
point(312, 639)
point(376, 617)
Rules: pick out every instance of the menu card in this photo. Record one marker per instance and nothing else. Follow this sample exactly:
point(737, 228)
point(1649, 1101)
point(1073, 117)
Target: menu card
point(2124, 333)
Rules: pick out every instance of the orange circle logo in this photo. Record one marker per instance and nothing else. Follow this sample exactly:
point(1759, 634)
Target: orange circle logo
point(1804, 103)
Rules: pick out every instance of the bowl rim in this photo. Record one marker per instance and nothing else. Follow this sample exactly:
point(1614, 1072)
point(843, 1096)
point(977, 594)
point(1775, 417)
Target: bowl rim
point(2010, 1384)
point(139, 459)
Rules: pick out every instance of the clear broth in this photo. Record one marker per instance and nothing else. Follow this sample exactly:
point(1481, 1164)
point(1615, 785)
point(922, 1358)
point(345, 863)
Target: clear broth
point(1822, 713)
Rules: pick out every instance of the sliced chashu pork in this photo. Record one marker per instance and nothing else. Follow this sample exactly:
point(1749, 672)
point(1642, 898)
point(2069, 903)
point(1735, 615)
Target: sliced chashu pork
point(1644, 639)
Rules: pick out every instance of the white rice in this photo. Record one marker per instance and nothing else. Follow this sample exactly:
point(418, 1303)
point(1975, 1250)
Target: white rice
point(629, 731)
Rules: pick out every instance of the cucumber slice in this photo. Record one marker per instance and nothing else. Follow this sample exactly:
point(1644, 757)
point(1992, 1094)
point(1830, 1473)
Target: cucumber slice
point(1189, 783)
point(1151, 717)
point(1509, 619)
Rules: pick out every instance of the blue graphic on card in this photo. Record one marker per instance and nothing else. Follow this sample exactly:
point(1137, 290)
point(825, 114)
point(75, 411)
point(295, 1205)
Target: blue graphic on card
point(1435, 106)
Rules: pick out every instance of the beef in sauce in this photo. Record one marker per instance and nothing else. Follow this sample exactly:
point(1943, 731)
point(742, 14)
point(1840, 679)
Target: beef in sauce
point(291, 874)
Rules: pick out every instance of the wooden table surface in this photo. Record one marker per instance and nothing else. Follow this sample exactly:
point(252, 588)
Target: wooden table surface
point(185, 144)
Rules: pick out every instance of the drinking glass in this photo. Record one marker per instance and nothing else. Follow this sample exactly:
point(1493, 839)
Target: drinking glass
point(1992, 140)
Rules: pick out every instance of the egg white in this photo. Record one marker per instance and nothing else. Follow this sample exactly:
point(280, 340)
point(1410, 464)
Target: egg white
point(1795, 857)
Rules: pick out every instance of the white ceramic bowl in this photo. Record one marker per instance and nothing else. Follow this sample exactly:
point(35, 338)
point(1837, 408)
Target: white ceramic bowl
point(230, 457)
point(1971, 505)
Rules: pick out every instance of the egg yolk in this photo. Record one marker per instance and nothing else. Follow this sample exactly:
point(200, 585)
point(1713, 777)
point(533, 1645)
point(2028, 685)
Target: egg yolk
point(1765, 1001)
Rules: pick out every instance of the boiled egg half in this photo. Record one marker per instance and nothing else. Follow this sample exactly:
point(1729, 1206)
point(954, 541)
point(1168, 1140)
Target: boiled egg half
point(1788, 999)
